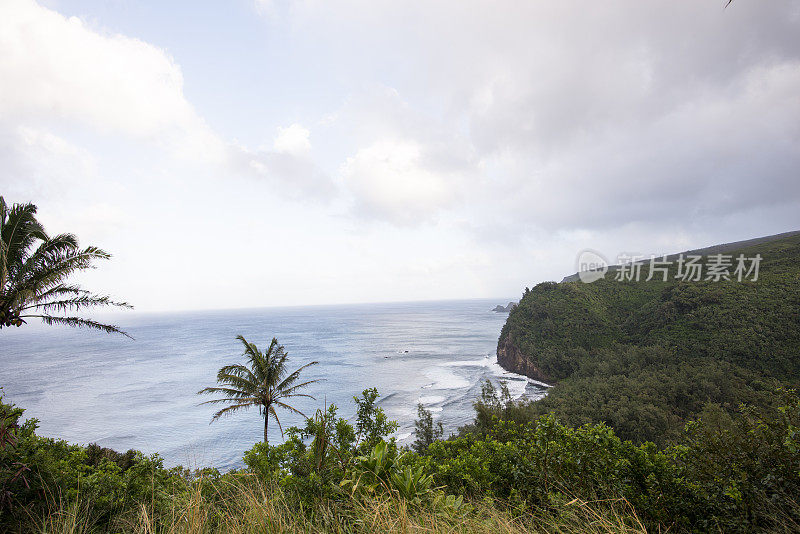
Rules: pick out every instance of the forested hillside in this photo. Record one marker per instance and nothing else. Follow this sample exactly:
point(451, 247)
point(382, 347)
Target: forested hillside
point(646, 356)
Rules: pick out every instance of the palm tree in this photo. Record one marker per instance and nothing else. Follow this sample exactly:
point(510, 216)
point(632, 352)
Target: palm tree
point(264, 382)
point(34, 269)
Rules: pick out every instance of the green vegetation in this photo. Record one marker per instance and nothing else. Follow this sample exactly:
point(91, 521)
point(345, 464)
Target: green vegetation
point(737, 473)
point(264, 384)
point(646, 357)
point(35, 268)
point(425, 430)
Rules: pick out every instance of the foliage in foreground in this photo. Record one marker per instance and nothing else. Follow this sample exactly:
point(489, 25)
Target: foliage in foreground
point(728, 473)
point(241, 504)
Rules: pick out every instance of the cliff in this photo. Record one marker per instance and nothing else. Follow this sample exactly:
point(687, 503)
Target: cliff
point(646, 357)
point(511, 358)
point(550, 333)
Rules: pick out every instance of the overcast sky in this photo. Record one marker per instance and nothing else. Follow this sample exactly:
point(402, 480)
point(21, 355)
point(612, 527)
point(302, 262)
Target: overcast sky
point(258, 153)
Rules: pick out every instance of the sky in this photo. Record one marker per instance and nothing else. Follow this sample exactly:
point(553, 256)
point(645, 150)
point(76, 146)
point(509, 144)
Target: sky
point(268, 153)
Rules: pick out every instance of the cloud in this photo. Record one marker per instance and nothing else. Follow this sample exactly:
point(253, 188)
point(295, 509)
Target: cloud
point(572, 115)
point(58, 70)
point(293, 140)
point(37, 163)
point(516, 131)
point(56, 67)
point(300, 176)
point(291, 160)
point(712, 155)
point(405, 166)
point(394, 180)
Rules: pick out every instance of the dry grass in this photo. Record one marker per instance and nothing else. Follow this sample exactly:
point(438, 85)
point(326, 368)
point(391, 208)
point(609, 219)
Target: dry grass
point(68, 518)
point(253, 508)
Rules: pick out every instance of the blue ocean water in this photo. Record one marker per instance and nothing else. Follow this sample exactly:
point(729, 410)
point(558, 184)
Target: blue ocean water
point(88, 387)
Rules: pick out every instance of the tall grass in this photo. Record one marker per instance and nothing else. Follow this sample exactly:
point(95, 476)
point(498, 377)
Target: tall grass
point(69, 518)
point(248, 506)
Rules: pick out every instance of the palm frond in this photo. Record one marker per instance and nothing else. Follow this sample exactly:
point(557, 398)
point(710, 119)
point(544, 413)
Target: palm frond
point(238, 400)
point(63, 290)
point(287, 382)
point(242, 384)
point(78, 322)
point(19, 229)
point(76, 303)
point(290, 392)
point(290, 408)
point(274, 415)
point(255, 358)
point(231, 392)
point(53, 269)
point(230, 409)
point(238, 370)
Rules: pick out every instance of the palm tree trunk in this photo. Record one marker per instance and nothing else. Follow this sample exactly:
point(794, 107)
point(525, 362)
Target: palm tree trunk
point(266, 428)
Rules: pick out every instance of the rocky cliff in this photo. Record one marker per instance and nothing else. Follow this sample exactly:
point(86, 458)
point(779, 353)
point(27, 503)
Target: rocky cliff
point(512, 359)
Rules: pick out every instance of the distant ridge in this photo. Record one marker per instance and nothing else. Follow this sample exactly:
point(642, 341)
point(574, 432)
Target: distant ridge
point(714, 249)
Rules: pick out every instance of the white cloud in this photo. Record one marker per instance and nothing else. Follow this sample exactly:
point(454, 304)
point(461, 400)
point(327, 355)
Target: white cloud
point(406, 166)
point(391, 179)
point(37, 163)
point(293, 140)
point(56, 68)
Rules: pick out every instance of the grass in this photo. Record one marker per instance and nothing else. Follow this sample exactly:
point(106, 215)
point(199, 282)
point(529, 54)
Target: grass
point(250, 507)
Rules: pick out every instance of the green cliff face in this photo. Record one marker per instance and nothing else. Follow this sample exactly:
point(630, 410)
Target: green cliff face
point(657, 352)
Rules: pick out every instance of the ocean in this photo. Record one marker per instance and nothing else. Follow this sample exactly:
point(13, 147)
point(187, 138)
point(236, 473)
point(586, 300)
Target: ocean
point(86, 386)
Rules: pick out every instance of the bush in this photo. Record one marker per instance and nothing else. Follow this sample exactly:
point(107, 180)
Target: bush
point(731, 473)
point(54, 471)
